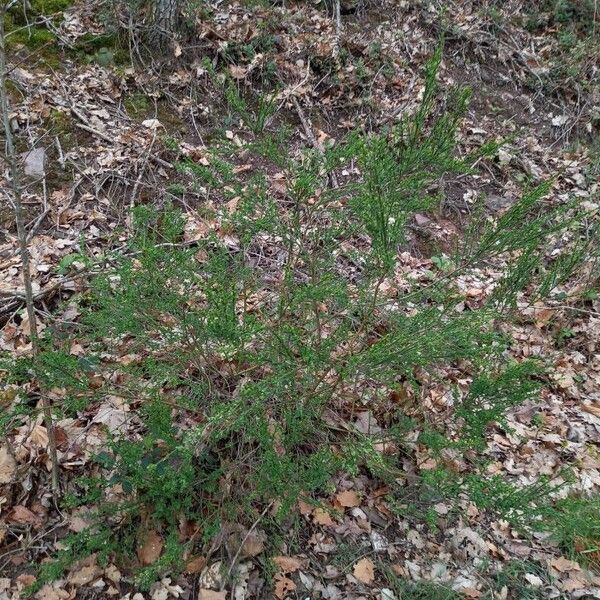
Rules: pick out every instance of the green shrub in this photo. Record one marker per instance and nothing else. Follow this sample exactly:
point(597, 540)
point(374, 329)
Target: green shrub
point(238, 367)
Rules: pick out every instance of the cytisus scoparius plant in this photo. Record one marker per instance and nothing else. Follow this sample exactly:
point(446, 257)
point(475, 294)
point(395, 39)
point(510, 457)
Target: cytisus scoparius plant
point(254, 350)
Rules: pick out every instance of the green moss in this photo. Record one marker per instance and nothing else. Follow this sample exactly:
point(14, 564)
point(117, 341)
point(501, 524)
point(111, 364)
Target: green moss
point(61, 124)
point(91, 42)
point(39, 41)
point(136, 105)
point(38, 38)
point(140, 107)
point(32, 37)
point(167, 115)
point(49, 7)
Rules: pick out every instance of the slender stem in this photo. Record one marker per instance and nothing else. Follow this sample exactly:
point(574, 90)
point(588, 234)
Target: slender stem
point(11, 158)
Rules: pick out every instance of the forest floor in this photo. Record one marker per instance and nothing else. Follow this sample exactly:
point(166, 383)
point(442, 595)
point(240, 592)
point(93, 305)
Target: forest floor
point(107, 127)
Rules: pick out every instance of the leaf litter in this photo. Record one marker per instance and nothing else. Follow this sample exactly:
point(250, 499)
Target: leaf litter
point(562, 428)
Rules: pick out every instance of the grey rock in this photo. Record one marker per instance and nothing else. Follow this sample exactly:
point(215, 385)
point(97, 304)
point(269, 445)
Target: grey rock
point(497, 203)
point(35, 163)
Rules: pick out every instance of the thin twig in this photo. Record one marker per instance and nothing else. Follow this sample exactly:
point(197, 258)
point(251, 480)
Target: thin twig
point(338, 29)
point(311, 138)
point(36, 224)
point(239, 550)
point(84, 124)
point(23, 238)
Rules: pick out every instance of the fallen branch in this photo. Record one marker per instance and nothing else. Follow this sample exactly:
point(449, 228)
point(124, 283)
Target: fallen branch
point(311, 138)
point(84, 124)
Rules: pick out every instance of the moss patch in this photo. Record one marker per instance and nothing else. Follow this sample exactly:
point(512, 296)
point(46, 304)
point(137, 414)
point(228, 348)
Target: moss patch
point(49, 7)
point(61, 124)
point(20, 33)
point(140, 107)
point(137, 105)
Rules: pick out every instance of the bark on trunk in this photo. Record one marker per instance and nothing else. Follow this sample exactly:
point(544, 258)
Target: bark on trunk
point(166, 13)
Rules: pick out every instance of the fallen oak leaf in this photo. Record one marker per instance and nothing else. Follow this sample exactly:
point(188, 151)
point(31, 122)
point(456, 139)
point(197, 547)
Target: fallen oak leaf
point(364, 571)
point(84, 575)
point(348, 499)
point(149, 547)
point(195, 564)
point(287, 564)
point(564, 565)
point(204, 594)
point(322, 517)
point(304, 507)
point(23, 516)
point(253, 544)
point(283, 586)
point(25, 580)
point(592, 409)
point(572, 584)
point(8, 465)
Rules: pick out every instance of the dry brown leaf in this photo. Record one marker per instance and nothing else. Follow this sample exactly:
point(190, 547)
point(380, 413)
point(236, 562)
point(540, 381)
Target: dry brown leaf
point(80, 519)
point(253, 544)
point(287, 564)
point(564, 565)
point(84, 575)
point(38, 436)
point(211, 595)
point(283, 586)
point(593, 409)
point(364, 571)
point(25, 580)
point(112, 573)
point(543, 315)
point(23, 516)
point(8, 465)
point(322, 517)
point(237, 72)
point(195, 564)
point(348, 499)
point(49, 592)
point(149, 547)
point(572, 584)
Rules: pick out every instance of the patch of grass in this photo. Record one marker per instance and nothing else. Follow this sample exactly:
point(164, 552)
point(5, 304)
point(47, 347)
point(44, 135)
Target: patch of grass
point(575, 524)
point(273, 146)
point(512, 577)
point(255, 116)
point(50, 7)
point(89, 43)
point(416, 590)
point(346, 554)
point(574, 23)
point(25, 29)
point(60, 123)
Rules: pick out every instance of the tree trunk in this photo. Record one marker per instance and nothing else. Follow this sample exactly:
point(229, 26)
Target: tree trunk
point(166, 14)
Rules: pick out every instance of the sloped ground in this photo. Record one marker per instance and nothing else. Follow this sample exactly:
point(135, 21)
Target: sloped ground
point(106, 128)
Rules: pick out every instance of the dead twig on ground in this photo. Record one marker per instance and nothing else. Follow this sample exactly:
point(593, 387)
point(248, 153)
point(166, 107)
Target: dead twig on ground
point(311, 138)
point(23, 239)
point(85, 126)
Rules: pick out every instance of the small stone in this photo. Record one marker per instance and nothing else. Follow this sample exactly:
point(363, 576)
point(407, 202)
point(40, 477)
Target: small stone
point(35, 162)
point(497, 203)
